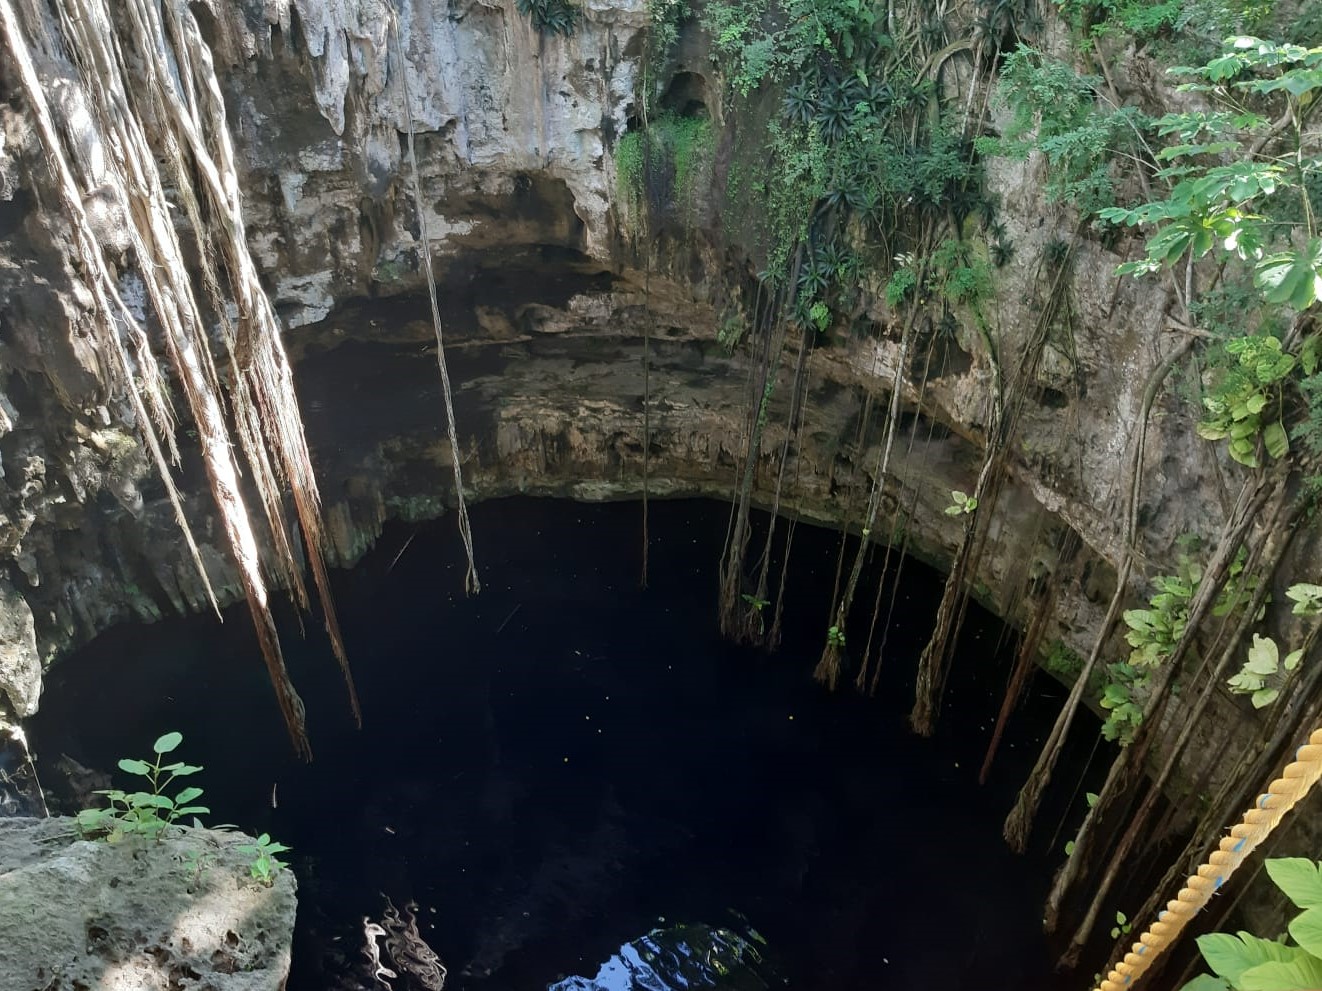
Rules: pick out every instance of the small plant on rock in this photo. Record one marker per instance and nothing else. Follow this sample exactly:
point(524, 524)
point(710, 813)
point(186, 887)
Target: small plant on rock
point(145, 812)
point(265, 864)
point(961, 503)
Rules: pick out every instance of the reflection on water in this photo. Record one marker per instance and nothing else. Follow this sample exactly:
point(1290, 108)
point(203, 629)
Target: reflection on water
point(681, 957)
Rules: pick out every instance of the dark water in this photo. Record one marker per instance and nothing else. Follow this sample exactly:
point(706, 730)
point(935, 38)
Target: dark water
point(565, 763)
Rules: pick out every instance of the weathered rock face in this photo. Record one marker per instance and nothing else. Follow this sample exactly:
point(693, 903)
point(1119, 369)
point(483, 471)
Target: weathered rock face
point(138, 916)
point(547, 286)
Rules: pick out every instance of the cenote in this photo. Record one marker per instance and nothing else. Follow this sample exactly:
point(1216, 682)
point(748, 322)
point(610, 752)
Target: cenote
point(567, 762)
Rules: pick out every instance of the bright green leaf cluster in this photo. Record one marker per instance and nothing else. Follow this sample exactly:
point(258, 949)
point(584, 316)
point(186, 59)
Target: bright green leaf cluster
point(961, 503)
point(1245, 962)
point(1264, 671)
point(145, 813)
point(265, 864)
point(1246, 403)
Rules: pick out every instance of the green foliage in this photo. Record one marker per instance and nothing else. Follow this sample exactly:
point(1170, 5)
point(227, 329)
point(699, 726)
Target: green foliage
point(1213, 205)
point(1062, 661)
point(145, 813)
point(1153, 634)
point(1264, 672)
point(1246, 403)
point(629, 168)
point(1055, 110)
point(664, 20)
point(1125, 685)
point(962, 278)
point(550, 16)
point(835, 636)
point(855, 137)
point(1307, 599)
point(1245, 962)
point(961, 504)
point(668, 165)
point(1122, 926)
point(899, 286)
point(265, 864)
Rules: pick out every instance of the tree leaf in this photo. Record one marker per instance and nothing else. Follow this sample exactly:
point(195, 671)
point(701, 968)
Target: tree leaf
point(1292, 659)
point(1206, 982)
point(187, 795)
point(167, 743)
point(1302, 972)
point(1230, 956)
point(1264, 658)
point(139, 767)
point(1265, 697)
point(1307, 931)
point(1275, 439)
point(1299, 878)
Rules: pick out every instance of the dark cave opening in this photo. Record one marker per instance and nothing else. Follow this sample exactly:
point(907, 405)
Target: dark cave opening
point(566, 762)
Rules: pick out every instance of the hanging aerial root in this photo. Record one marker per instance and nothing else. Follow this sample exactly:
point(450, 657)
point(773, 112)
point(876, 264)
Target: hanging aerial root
point(471, 583)
point(150, 405)
point(1263, 562)
point(1019, 823)
point(1280, 797)
point(829, 664)
point(166, 111)
point(1129, 764)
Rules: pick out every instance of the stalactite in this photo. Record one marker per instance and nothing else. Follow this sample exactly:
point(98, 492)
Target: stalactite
point(1019, 823)
point(472, 585)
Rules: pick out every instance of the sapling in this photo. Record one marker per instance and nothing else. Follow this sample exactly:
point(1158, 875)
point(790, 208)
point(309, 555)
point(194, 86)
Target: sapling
point(145, 813)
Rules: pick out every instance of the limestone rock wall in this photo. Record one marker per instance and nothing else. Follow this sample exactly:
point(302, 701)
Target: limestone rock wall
point(547, 285)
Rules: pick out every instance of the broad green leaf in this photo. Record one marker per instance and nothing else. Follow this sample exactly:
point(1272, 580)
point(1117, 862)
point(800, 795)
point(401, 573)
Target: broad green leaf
point(1292, 276)
point(1302, 973)
point(142, 799)
point(1299, 878)
point(184, 769)
point(1307, 931)
point(1206, 982)
point(139, 767)
point(1230, 956)
point(1275, 439)
point(187, 795)
point(1264, 658)
point(1243, 683)
point(1296, 82)
point(167, 743)
point(1265, 697)
point(1307, 598)
point(1292, 659)
point(1308, 355)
